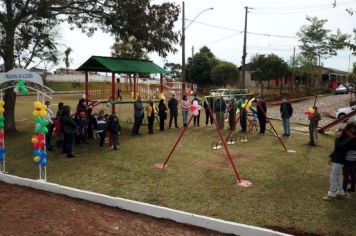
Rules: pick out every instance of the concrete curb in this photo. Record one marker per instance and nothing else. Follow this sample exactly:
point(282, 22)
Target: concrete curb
point(222, 226)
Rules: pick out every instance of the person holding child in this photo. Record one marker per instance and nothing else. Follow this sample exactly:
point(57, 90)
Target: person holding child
point(343, 139)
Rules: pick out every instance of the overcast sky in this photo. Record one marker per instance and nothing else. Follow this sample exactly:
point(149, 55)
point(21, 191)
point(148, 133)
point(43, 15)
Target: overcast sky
point(221, 29)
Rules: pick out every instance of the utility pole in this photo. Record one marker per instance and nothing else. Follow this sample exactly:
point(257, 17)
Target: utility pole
point(192, 51)
point(242, 82)
point(293, 69)
point(183, 42)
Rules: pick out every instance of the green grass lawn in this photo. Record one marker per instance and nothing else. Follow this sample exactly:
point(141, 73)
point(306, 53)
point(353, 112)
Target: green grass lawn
point(286, 192)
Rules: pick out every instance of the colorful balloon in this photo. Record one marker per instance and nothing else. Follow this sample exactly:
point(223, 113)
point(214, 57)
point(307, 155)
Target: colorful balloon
point(34, 140)
point(2, 103)
point(37, 158)
point(2, 110)
point(43, 114)
point(2, 134)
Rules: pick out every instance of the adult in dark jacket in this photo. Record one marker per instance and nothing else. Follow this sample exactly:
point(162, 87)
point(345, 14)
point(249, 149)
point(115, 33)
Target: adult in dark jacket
point(173, 111)
point(69, 127)
point(138, 115)
point(286, 111)
point(337, 160)
point(261, 115)
point(349, 168)
point(206, 103)
point(162, 113)
point(81, 107)
point(219, 110)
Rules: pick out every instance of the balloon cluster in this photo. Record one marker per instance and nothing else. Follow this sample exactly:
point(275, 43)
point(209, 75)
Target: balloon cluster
point(189, 91)
point(41, 130)
point(245, 104)
point(2, 134)
point(309, 112)
point(20, 87)
point(194, 108)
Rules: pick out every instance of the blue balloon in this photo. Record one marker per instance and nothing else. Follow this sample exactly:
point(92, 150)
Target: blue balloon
point(43, 155)
point(43, 162)
point(1, 157)
point(2, 150)
point(37, 153)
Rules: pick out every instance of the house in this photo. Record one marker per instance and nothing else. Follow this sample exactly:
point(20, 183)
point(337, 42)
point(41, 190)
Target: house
point(61, 71)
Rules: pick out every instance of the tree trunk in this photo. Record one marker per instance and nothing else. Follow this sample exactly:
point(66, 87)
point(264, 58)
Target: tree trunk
point(281, 86)
point(262, 88)
point(10, 95)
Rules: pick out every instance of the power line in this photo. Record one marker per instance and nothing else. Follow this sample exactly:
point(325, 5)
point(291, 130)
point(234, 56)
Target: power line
point(305, 7)
point(223, 39)
point(241, 31)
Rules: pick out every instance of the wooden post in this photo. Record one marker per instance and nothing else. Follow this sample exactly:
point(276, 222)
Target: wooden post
point(113, 91)
point(86, 87)
point(135, 85)
point(161, 83)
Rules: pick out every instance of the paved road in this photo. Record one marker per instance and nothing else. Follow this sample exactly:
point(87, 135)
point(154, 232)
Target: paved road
point(327, 105)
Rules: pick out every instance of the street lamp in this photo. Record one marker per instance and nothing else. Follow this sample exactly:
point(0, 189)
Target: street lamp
point(183, 36)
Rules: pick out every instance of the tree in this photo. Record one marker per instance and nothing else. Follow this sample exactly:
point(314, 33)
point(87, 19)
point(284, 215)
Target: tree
point(267, 67)
point(224, 73)
point(131, 48)
point(199, 67)
point(318, 42)
point(150, 24)
point(66, 59)
point(174, 69)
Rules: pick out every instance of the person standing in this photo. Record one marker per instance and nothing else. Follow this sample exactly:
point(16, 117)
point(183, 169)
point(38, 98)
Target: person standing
point(206, 103)
point(150, 112)
point(286, 111)
point(349, 168)
point(261, 115)
point(81, 107)
point(337, 161)
point(196, 118)
point(173, 111)
point(162, 113)
point(232, 114)
point(101, 129)
point(219, 110)
point(69, 127)
point(185, 110)
point(115, 129)
point(314, 119)
point(138, 115)
point(243, 118)
point(50, 117)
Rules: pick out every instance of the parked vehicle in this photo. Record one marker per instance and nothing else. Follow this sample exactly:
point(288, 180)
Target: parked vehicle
point(229, 93)
point(341, 89)
point(344, 111)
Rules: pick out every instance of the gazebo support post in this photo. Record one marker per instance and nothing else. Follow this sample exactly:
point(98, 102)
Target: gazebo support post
point(86, 87)
point(161, 83)
point(135, 85)
point(113, 91)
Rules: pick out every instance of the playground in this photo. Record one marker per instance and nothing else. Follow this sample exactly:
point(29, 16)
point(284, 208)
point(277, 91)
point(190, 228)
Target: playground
point(286, 187)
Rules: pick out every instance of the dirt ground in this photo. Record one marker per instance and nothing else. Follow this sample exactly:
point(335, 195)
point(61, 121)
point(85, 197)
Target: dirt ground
point(24, 211)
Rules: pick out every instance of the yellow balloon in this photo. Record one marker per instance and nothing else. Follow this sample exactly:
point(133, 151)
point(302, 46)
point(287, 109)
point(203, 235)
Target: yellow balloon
point(43, 114)
point(2, 110)
point(37, 158)
point(243, 105)
point(44, 107)
point(37, 104)
point(310, 109)
point(35, 113)
point(2, 103)
point(34, 140)
point(161, 96)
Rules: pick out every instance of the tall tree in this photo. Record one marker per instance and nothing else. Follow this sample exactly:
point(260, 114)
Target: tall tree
point(174, 69)
point(268, 67)
point(66, 59)
point(319, 43)
point(129, 49)
point(225, 73)
point(150, 24)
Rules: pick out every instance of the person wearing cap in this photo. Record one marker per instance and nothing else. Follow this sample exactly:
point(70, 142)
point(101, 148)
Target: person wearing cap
point(286, 111)
point(173, 111)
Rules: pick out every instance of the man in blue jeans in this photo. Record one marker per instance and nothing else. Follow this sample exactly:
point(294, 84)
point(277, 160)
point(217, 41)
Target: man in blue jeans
point(286, 111)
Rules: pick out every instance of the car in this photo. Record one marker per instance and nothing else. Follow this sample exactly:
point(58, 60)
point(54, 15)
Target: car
point(344, 111)
point(230, 93)
point(341, 89)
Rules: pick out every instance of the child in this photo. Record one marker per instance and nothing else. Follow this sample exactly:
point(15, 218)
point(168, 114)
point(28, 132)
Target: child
point(82, 128)
point(114, 128)
point(314, 119)
point(337, 160)
point(101, 129)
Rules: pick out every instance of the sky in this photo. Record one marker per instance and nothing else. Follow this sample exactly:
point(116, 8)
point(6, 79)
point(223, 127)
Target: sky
point(272, 27)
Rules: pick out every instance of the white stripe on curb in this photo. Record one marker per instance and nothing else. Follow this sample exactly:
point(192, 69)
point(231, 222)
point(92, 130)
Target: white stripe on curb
point(222, 226)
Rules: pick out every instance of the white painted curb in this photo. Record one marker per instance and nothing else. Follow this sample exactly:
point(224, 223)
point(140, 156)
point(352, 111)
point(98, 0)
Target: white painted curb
point(222, 226)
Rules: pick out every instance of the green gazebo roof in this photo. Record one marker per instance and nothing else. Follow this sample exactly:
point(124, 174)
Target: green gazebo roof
point(120, 65)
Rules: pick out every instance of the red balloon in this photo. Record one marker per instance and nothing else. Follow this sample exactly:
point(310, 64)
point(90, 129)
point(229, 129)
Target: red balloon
point(42, 143)
point(2, 134)
point(40, 136)
point(36, 145)
point(192, 108)
point(1, 142)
